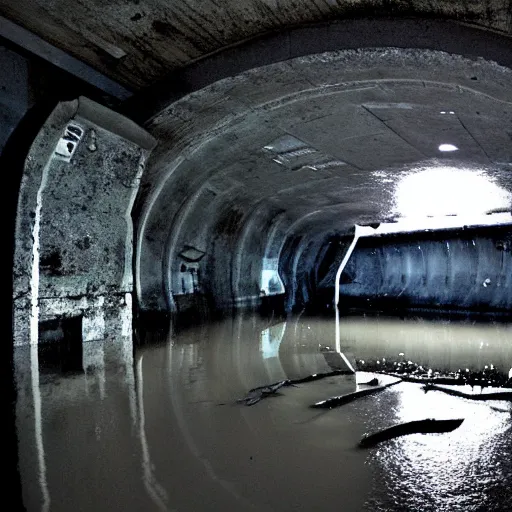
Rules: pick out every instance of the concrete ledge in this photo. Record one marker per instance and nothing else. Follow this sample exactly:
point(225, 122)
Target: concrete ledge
point(114, 123)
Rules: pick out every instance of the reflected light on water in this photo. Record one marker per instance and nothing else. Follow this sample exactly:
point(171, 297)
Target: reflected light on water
point(451, 470)
point(449, 346)
point(162, 429)
point(270, 340)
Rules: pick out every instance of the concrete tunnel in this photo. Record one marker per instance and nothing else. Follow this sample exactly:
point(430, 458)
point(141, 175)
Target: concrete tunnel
point(239, 188)
point(193, 166)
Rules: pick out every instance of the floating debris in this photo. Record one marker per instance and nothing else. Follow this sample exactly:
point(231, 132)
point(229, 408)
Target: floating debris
point(449, 381)
point(336, 401)
point(499, 409)
point(323, 375)
point(499, 395)
point(411, 371)
point(428, 426)
point(372, 382)
point(256, 394)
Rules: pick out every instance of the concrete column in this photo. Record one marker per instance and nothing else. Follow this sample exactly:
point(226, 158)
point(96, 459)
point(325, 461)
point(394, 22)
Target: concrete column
point(74, 233)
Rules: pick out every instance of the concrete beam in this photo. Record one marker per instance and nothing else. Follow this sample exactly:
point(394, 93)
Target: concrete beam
point(41, 48)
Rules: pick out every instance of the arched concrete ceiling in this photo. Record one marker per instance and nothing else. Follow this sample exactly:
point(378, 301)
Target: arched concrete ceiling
point(138, 42)
point(336, 130)
point(322, 141)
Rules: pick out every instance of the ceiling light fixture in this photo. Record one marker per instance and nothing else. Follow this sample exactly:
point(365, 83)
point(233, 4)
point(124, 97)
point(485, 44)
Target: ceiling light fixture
point(448, 147)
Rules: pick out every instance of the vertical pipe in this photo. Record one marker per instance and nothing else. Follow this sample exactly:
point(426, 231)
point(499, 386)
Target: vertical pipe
point(34, 275)
point(359, 232)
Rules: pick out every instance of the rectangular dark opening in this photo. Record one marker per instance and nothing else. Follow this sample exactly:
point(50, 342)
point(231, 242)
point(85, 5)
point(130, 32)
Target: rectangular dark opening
point(60, 345)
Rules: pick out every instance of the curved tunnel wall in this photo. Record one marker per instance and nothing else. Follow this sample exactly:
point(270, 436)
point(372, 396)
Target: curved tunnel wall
point(298, 266)
point(206, 244)
point(221, 253)
point(175, 208)
point(464, 270)
point(239, 257)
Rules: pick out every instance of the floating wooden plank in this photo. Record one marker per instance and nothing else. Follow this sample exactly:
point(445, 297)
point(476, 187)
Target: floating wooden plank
point(256, 394)
point(336, 401)
point(428, 426)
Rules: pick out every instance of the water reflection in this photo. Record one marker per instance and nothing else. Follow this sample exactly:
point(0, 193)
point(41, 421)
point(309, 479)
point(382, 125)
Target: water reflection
point(449, 346)
point(443, 472)
point(162, 430)
point(154, 489)
point(271, 338)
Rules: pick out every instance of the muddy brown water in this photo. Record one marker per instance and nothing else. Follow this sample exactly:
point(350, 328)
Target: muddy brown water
point(159, 428)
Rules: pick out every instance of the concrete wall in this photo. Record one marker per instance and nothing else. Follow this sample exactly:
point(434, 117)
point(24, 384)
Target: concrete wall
point(457, 270)
point(15, 91)
point(74, 235)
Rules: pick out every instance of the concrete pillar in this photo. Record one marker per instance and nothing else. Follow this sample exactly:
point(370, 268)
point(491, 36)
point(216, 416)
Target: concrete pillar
point(74, 233)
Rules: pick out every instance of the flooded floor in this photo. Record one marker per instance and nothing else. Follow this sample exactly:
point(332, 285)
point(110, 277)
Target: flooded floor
point(160, 428)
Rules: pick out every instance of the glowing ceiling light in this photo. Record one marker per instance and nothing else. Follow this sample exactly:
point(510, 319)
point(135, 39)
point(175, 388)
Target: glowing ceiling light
point(443, 191)
point(448, 147)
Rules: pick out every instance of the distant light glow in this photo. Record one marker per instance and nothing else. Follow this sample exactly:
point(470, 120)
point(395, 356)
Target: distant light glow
point(447, 147)
point(449, 191)
point(270, 340)
point(271, 283)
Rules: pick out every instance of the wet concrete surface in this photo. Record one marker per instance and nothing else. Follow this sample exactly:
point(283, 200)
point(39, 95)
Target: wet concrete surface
point(164, 431)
